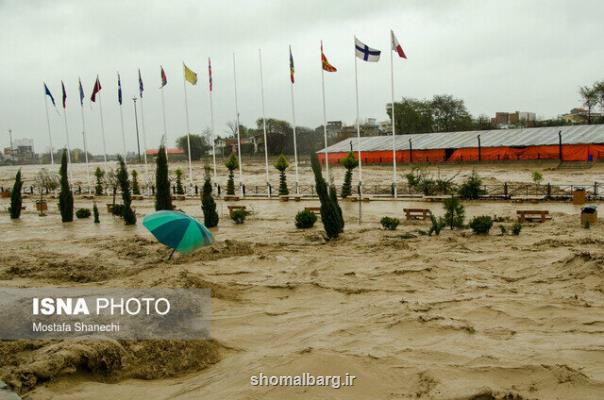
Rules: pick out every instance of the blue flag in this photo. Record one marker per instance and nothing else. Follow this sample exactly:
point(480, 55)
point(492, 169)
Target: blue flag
point(119, 88)
point(81, 92)
point(140, 84)
point(47, 93)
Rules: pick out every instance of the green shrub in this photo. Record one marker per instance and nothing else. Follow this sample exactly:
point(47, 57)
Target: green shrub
point(305, 219)
point(516, 228)
point(83, 213)
point(232, 164)
point(437, 225)
point(422, 182)
point(281, 165)
point(122, 176)
point(350, 163)
point(65, 196)
point(537, 177)
point(98, 188)
point(117, 210)
point(331, 213)
point(503, 230)
point(454, 212)
point(163, 198)
point(471, 189)
point(179, 188)
point(238, 216)
point(482, 224)
point(208, 205)
point(16, 201)
point(95, 211)
point(135, 186)
point(389, 223)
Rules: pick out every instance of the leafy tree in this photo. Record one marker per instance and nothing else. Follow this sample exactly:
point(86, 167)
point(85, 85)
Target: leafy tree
point(330, 213)
point(179, 188)
point(122, 177)
point(454, 212)
point(208, 205)
point(99, 174)
point(537, 177)
point(450, 114)
point(16, 201)
point(66, 196)
point(281, 165)
point(471, 189)
point(113, 184)
point(589, 96)
point(163, 198)
point(350, 163)
point(412, 116)
point(481, 224)
point(135, 187)
point(46, 181)
point(199, 145)
point(232, 164)
point(443, 113)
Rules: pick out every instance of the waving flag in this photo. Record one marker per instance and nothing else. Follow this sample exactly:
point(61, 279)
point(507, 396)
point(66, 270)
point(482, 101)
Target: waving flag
point(81, 92)
point(210, 73)
point(164, 78)
point(141, 88)
point(396, 46)
point(119, 89)
point(291, 66)
point(190, 76)
point(64, 94)
point(365, 52)
point(47, 93)
point(326, 65)
point(97, 88)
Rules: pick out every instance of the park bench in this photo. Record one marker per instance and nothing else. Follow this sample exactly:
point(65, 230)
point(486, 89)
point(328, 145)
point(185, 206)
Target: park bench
point(527, 198)
point(417, 213)
point(230, 197)
point(533, 215)
point(315, 210)
point(235, 208)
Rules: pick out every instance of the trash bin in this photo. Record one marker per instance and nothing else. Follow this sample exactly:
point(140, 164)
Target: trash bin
point(579, 196)
point(589, 214)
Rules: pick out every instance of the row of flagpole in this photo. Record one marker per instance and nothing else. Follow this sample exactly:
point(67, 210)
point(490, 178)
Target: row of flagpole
point(362, 52)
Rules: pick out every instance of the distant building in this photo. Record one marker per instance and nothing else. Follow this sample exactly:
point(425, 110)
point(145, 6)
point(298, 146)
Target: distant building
point(22, 151)
point(514, 119)
point(174, 153)
point(579, 116)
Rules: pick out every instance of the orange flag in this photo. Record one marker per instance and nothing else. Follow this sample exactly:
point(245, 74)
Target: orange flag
point(326, 65)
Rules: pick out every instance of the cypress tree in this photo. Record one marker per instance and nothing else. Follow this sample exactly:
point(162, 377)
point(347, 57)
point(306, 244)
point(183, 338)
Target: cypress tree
point(16, 201)
point(208, 205)
point(281, 165)
point(98, 188)
point(122, 178)
point(350, 163)
point(95, 212)
point(135, 187)
point(179, 188)
point(333, 196)
point(232, 164)
point(163, 198)
point(66, 196)
point(331, 215)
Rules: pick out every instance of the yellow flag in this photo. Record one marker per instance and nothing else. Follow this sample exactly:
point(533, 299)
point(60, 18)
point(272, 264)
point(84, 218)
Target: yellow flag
point(190, 76)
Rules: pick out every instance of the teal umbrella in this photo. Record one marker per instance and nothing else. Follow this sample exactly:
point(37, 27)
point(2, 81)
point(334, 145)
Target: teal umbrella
point(177, 230)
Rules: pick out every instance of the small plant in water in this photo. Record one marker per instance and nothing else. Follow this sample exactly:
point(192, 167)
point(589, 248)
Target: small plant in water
point(437, 225)
point(305, 219)
point(83, 213)
point(389, 223)
point(516, 228)
point(238, 216)
point(503, 230)
point(482, 224)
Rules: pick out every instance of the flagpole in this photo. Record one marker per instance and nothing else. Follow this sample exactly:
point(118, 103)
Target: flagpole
point(238, 133)
point(147, 178)
point(268, 192)
point(103, 130)
point(163, 113)
point(85, 147)
point(188, 129)
point(324, 115)
point(52, 158)
point(68, 145)
point(212, 127)
point(294, 130)
point(392, 117)
point(123, 132)
point(356, 83)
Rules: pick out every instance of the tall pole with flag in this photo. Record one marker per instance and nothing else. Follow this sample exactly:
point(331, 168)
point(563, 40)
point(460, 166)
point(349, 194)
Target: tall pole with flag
point(268, 191)
point(164, 82)
point(292, 80)
point(47, 95)
point(190, 77)
point(237, 128)
point(64, 101)
point(81, 90)
point(325, 66)
point(96, 92)
point(119, 99)
point(395, 47)
point(367, 54)
point(141, 88)
point(212, 133)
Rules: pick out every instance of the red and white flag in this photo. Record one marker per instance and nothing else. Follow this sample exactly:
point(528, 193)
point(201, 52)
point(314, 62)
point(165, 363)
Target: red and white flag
point(396, 46)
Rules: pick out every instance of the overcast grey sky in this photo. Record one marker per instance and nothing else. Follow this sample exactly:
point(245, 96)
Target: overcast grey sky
point(525, 55)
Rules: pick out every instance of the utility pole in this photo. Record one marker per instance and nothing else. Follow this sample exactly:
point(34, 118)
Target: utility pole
point(138, 144)
point(10, 134)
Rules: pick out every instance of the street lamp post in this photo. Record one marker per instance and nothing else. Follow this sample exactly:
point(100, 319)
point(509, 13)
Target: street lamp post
point(138, 144)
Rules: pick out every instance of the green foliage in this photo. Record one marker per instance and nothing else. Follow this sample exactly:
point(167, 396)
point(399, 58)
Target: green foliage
point(232, 164)
point(281, 165)
point(503, 230)
point(113, 184)
point(389, 223)
point(122, 177)
point(117, 210)
point(95, 212)
point(331, 213)
point(66, 196)
point(16, 201)
point(422, 182)
point(437, 225)
point(471, 188)
point(481, 224)
point(179, 188)
point(100, 175)
point(454, 212)
point(46, 181)
point(199, 145)
point(82, 213)
point(135, 187)
point(208, 205)
point(163, 198)
point(350, 163)
point(516, 228)
point(537, 177)
point(305, 219)
point(238, 216)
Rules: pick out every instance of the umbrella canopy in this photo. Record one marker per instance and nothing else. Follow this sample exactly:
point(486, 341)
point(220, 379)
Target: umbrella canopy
point(178, 230)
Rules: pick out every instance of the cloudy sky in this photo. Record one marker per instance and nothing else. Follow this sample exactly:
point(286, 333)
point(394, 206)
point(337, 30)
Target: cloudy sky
point(525, 55)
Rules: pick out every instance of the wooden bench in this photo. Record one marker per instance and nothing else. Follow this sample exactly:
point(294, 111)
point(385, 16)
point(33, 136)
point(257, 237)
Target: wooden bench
point(533, 215)
point(436, 198)
point(417, 213)
point(230, 197)
point(315, 210)
point(235, 208)
point(528, 198)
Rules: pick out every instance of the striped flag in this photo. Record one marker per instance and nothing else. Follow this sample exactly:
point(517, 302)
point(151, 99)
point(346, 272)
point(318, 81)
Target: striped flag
point(119, 89)
point(291, 66)
point(64, 94)
point(81, 92)
point(396, 46)
point(97, 88)
point(164, 78)
point(325, 64)
point(141, 88)
point(47, 93)
point(210, 73)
